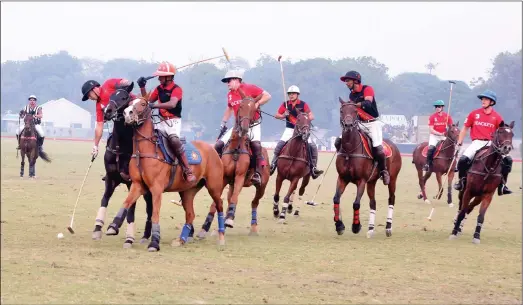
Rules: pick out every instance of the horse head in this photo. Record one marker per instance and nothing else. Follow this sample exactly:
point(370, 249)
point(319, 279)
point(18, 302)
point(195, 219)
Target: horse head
point(138, 111)
point(452, 132)
point(348, 115)
point(29, 124)
point(246, 112)
point(303, 125)
point(118, 101)
point(502, 140)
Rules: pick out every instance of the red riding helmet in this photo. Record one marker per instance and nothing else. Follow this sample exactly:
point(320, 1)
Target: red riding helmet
point(165, 69)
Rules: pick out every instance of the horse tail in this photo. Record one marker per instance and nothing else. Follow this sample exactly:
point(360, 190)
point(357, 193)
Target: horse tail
point(44, 156)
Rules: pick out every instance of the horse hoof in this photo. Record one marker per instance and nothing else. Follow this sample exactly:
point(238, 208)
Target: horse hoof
point(127, 245)
point(152, 249)
point(451, 205)
point(427, 201)
point(202, 234)
point(214, 232)
point(97, 235)
point(476, 241)
point(176, 242)
point(435, 197)
point(370, 233)
point(253, 233)
point(143, 240)
point(297, 213)
point(229, 223)
point(356, 228)
point(282, 221)
point(388, 232)
point(289, 209)
point(420, 196)
point(452, 237)
point(111, 231)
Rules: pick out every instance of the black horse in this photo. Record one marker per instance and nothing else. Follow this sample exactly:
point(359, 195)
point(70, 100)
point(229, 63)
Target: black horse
point(116, 160)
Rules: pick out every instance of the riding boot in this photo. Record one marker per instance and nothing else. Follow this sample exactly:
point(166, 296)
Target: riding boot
point(41, 144)
point(178, 149)
point(430, 158)
point(277, 151)
point(382, 164)
point(257, 152)
point(18, 141)
point(337, 144)
point(315, 173)
point(463, 167)
point(219, 147)
point(506, 167)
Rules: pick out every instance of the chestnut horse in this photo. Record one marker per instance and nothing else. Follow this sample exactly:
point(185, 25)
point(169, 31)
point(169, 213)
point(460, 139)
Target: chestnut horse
point(239, 166)
point(355, 164)
point(116, 160)
point(293, 165)
point(483, 178)
point(443, 156)
point(151, 170)
point(29, 147)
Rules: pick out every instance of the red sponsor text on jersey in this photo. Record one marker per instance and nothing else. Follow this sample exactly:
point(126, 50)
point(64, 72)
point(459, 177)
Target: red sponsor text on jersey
point(234, 99)
point(482, 125)
point(439, 121)
point(106, 90)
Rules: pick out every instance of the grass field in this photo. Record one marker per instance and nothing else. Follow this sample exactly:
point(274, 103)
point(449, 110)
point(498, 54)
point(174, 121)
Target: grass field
point(304, 261)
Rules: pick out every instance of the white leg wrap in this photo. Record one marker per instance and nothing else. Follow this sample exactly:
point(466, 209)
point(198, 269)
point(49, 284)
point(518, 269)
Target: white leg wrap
point(100, 217)
point(129, 234)
point(372, 219)
point(389, 213)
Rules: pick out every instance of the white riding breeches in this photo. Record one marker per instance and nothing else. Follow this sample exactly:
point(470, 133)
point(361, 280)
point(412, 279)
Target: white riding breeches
point(434, 139)
point(254, 134)
point(373, 130)
point(473, 148)
point(38, 128)
point(287, 134)
point(171, 126)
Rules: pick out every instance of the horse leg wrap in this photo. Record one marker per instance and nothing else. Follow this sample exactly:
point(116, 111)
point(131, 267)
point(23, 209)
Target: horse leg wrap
point(372, 219)
point(155, 233)
point(356, 217)
point(100, 217)
point(129, 233)
point(221, 222)
point(208, 221)
point(254, 216)
point(389, 217)
point(185, 232)
point(120, 216)
point(147, 231)
point(276, 199)
point(231, 210)
point(481, 218)
point(337, 212)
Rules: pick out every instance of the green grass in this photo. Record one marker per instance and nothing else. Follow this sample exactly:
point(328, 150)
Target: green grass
point(303, 261)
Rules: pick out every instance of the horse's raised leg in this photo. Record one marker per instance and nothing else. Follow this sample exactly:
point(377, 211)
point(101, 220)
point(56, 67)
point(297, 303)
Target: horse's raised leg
point(371, 192)
point(188, 206)
point(450, 177)
point(215, 189)
point(231, 208)
point(464, 203)
point(129, 233)
point(424, 189)
point(22, 165)
point(260, 190)
point(301, 191)
point(110, 186)
point(485, 203)
point(208, 221)
point(275, 206)
point(156, 191)
point(286, 199)
point(392, 202)
point(148, 197)
point(32, 167)
point(134, 193)
point(356, 224)
point(340, 188)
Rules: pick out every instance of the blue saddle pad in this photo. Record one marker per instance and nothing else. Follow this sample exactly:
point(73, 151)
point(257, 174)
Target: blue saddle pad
point(193, 154)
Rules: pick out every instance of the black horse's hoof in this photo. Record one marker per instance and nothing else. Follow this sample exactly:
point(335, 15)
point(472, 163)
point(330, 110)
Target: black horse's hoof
point(420, 196)
point(340, 227)
point(356, 228)
point(153, 246)
point(275, 211)
point(289, 209)
point(112, 230)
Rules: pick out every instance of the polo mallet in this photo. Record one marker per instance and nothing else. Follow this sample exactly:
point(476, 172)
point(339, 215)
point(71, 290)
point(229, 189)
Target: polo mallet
point(321, 182)
point(283, 81)
point(177, 202)
point(70, 227)
point(440, 190)
point(19, 135)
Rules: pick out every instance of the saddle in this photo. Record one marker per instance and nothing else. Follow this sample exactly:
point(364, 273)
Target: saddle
point(425, 150)
point(286, 156)
point(367, 144)
point(236, 152)
point(193, 154)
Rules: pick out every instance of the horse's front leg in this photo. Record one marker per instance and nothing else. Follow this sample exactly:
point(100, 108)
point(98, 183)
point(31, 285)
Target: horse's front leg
point(148, 197)
point(340, 188)
point(276, 203)
point(450, 177)
point(286, 199)
point(110, 186)
point(239, 180)
point(356, 224)
point(22, 166)
point(301, 191)
point(134, 193)
point(464, 206)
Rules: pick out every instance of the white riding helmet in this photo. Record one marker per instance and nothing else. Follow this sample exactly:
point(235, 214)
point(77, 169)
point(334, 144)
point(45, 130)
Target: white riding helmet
point(293, 89)
point(32, 96)
point(232, 74)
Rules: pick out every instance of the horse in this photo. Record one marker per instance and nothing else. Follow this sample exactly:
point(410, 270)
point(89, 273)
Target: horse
point(116, 159)
point(293, 165)
point(355, 164)
point(239, 166)
point(29, 147)
point(443, 156)
point(483, 178)
point(152, 169)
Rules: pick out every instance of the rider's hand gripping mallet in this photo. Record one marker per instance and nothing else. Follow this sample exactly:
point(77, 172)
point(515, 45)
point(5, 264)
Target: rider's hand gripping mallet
point(440, 190)
point(70, 227)
point(321, 182)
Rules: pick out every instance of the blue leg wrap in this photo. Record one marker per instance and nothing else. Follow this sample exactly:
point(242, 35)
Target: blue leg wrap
point(185, 232)
point(231, 210)
point(254, 214)
point(221, 222)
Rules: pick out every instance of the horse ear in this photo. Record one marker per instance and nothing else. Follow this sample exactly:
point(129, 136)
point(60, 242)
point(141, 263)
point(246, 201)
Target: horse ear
point(511, 125)
point(501, 124)
point(457, 124)
point(146, 96)
point(341, 101)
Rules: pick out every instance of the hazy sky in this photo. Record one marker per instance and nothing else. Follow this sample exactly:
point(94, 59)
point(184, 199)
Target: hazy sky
point(462, 37)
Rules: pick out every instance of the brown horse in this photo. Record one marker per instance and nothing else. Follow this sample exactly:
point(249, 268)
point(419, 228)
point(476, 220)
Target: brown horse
point(29, 147)
point(483, 178)
point(239, 166)
point(293, 165)
point(443, 156)
point(355, 164)
point(151, 169)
